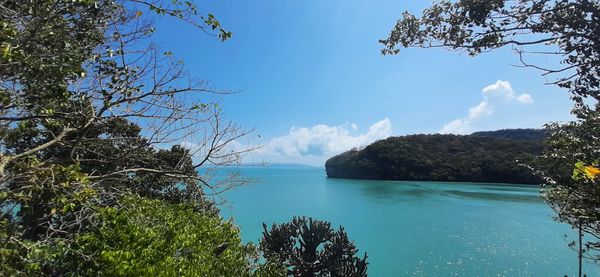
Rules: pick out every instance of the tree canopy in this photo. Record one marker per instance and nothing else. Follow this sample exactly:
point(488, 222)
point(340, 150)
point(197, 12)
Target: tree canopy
point(480, 157)
point(571, 169)
point(92, 111)
point(150, 237)
point(307, 247)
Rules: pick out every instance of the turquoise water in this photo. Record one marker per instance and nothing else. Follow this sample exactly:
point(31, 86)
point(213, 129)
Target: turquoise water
point(416, 228)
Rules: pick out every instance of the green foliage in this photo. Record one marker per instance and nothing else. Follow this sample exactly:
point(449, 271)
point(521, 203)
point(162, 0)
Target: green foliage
point(147, 238)
point(11, 253)
point(527, 134)
point(481, 157)
point(189, 12)
point(67, 111)
point(90, 126)
point(308, 247)
point(570, 169)
point(46, 44)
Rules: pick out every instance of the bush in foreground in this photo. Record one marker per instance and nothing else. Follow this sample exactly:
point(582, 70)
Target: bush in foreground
point(150, 238)
point(308, 247)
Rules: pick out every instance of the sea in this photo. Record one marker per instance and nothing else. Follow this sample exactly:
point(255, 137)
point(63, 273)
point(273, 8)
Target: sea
point(410, 228)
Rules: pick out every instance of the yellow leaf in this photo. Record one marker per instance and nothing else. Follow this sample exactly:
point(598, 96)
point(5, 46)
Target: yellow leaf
point(591, 172)
point(583, 171)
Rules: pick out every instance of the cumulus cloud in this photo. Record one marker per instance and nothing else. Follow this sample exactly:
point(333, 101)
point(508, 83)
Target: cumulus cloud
point(313, 145)
point(493, 96)
point(525, 98)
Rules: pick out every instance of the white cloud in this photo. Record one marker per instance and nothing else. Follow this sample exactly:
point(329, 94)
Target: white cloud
point(493, 95)
point(483, 109)
point(457, 126)
point(525, 98)
point(313, 145)
point(500, 88)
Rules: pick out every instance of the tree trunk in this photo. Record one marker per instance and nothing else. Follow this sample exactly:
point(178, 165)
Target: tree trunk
point(580, 249)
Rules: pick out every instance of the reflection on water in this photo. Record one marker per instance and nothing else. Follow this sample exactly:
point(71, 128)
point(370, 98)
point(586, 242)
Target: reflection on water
point(413, 185)
point(381, 192)
point(394, 191)
point(512, 188)
point(495, 196)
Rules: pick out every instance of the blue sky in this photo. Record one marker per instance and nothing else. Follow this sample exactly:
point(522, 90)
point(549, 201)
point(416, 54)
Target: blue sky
point(313, 81)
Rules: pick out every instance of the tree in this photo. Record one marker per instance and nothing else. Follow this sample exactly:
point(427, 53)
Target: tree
point(308, 247)
point(149, 237)
point(571, 169)
point(91, 110)
point(566, 31)
point(481, 157)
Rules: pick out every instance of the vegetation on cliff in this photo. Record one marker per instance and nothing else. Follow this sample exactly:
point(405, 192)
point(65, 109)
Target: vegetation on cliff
point(496, 157)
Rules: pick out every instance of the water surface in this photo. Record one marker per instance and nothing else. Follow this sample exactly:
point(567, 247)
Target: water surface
point(416, 228)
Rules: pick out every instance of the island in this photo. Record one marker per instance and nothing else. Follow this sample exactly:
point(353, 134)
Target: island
point(499, 156)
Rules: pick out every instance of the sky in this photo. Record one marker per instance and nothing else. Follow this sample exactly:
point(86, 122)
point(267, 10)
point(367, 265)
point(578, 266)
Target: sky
point(313, 84)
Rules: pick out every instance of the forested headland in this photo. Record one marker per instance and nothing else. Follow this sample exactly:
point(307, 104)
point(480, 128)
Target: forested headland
point(496, 157)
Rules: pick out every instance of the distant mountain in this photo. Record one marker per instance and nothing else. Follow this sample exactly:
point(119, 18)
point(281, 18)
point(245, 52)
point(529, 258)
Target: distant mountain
point(264, 164)
point(288, 165)
point(494, 157)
